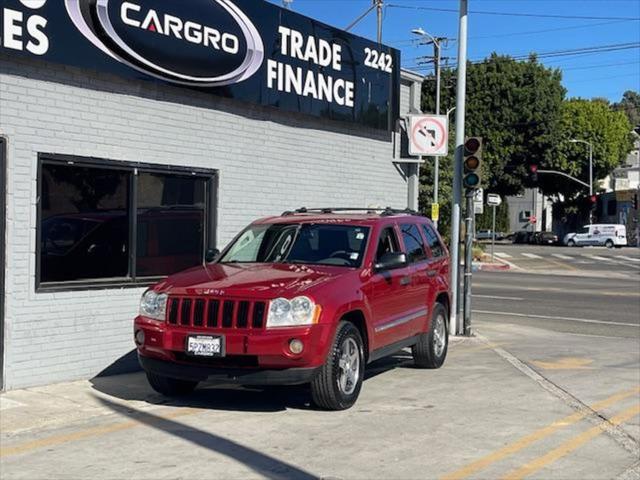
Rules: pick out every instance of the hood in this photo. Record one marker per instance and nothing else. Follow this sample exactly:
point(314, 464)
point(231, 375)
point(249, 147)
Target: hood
point(253, 280)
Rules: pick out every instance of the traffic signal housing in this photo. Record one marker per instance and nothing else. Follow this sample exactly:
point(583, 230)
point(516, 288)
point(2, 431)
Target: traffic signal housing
point(533, 174)
point(472, 163)
point(634, 201)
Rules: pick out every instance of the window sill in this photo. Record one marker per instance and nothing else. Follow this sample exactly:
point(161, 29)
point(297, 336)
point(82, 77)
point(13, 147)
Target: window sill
point(109, 284)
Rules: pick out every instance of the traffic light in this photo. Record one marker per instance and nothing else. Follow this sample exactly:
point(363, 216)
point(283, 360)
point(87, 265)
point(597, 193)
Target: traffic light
point(593, 201)
point(533, 174)
point(472, 163)
point(634, 201)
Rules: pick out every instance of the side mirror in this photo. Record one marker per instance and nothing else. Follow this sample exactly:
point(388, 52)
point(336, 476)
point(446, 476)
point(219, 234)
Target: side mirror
point(391, 261)
point(211, 255)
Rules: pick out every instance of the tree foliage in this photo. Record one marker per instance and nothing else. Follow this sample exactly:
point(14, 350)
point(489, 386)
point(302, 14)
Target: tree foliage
point(630, 105)
point(592, 121)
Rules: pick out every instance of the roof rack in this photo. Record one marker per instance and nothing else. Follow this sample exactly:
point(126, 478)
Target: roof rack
point(383, 212)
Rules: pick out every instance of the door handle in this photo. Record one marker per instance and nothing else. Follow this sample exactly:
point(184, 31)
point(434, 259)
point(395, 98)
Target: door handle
point(404, 281)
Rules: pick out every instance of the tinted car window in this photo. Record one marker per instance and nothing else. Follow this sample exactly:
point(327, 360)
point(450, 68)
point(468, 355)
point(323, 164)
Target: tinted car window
point(388, 243)
point(413, 243)
point(433, 241)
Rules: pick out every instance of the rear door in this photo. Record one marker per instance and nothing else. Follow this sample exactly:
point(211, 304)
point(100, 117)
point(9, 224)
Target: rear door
point(392, 298)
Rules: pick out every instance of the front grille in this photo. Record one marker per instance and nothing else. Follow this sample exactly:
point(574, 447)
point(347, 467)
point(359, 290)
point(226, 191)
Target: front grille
point(216, 313)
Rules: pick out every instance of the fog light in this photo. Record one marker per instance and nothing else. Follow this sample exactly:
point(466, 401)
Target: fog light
point(139, 337)
point(296, 346)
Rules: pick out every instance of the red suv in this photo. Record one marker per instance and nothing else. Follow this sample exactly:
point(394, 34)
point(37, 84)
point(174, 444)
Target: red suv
point(311, 296)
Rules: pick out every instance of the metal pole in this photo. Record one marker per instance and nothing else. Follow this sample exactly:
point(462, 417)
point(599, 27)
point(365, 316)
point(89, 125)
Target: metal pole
point(493, 235)
point(436, 163)
point(457, 165)
point(379, 7)
point(468, 263)
point(590, 182)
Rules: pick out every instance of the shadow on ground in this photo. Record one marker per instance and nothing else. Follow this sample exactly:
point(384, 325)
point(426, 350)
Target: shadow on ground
point(231, 397)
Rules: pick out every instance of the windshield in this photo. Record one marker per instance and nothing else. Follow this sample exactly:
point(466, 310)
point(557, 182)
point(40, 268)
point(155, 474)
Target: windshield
point(318, 244)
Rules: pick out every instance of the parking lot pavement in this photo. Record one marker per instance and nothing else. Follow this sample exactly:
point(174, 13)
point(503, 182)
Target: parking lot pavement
point(552, 408)
point(598, 261)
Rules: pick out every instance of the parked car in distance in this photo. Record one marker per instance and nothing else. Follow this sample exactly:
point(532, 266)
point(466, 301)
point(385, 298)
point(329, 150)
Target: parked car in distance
point(309, 297)
point(546, 238)
point(522, 237)
point(608, 235)
point(483, 235)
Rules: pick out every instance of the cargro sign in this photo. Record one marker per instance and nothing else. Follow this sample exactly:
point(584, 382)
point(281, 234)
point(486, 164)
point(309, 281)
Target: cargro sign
point(248, 50)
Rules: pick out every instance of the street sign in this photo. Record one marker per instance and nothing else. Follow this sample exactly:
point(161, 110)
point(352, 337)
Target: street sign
point(435, 212)
point(428, 135)
point(494, 200)
point(478, 201)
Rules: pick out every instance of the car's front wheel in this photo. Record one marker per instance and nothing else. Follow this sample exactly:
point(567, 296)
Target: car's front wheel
point(339, 381)
point(171, 387)
point(571, 243)
point(431, 349)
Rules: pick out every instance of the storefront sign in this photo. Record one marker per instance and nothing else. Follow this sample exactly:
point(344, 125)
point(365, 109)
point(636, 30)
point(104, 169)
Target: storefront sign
point(249, 50)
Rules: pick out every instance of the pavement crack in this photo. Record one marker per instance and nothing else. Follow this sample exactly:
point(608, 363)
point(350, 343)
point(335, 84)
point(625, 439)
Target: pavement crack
point(615, 432)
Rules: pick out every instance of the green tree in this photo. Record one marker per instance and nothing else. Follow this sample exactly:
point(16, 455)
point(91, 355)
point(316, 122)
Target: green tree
point(596, 122)
point(630, 105)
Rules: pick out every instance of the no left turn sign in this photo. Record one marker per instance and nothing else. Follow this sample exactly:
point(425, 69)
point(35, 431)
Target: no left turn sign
point(428, 135)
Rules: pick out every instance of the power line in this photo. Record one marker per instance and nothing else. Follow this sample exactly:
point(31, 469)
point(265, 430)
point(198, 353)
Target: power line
point(512, 14)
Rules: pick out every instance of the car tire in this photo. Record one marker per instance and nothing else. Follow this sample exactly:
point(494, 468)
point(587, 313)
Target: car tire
point(432, 346)
point(609, 244)
point(338, 383)
point(571, 243)
point(170, 387)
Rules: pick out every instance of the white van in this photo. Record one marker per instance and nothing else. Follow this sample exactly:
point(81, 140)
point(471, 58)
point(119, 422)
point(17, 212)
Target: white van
point(608, 235)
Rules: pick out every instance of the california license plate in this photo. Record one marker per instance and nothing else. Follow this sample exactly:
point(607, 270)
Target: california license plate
point(205, 346)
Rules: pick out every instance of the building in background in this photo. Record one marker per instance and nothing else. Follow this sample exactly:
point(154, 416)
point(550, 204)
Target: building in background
point(531, 212)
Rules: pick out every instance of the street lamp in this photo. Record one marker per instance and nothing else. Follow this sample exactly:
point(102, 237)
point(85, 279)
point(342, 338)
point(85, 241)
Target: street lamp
point(573, 140)
point(436, 58)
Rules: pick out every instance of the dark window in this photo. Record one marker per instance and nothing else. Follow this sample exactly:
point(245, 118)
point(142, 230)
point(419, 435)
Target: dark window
point(170, 223)
point(413, 243)
point(388, 243)
point(433, 241)
point(90, 222)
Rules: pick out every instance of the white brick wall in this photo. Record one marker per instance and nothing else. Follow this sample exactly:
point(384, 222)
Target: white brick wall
point(269, 161)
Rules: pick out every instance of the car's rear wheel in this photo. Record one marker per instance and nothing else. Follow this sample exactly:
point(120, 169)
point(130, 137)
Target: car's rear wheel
point(171, 387)
point(338, 383)
point(609, 243)
point(431, 349)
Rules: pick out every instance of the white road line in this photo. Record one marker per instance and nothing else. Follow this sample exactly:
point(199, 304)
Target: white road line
point(495, 297)
point(561, 257)
point(581, 320)
point(597, 257)
point(631, 259)
point(531, 255)
point(503, 255)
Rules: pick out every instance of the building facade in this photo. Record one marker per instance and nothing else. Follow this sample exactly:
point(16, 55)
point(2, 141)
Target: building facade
point(114, 177)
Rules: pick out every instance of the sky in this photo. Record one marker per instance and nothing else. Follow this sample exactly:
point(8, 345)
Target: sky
point(594, 74)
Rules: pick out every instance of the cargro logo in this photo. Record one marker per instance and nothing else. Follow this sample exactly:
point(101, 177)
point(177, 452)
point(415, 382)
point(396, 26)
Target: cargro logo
point(204, 43)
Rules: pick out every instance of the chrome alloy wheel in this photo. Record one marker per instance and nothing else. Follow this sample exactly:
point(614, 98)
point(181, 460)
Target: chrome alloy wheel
point(439, 336)
point(349, 365)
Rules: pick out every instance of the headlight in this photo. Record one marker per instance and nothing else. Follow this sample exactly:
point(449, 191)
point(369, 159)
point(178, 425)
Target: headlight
point(153, 305)
point(291, 313)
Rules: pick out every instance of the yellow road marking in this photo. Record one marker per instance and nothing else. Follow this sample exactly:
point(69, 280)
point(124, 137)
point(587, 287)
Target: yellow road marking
point(90, 432)
point(570, 445)
point(527, 440)
point(568, 363)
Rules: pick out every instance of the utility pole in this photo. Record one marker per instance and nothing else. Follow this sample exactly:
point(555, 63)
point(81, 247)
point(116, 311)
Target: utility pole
point(287, 4)
point(573, 140)
point(457, 168)
point(379, 5)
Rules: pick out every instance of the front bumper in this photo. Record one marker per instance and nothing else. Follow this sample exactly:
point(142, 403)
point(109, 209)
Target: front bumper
point(241, 376)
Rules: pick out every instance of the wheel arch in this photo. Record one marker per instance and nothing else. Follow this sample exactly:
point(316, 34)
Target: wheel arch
point(358, 318)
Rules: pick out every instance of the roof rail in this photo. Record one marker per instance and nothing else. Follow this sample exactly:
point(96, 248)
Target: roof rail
point(384, 212)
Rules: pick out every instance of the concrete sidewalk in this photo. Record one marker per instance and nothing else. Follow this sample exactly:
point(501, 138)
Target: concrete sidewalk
point(502, 407)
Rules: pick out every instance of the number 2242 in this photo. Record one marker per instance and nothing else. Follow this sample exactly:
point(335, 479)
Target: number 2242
point(379, 61)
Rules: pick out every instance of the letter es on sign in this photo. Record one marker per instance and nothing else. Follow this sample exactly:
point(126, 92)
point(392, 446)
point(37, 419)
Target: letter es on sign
point(203, 43)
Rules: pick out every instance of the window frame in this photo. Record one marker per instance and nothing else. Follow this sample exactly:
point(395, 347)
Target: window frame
point(424, 227)
point(210, 176)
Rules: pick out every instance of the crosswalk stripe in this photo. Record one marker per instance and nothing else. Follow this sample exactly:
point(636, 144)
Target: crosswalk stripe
point(631, 259)
point(597, 257)
point(531, 255)
point(561, 257)
point(503, 255)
